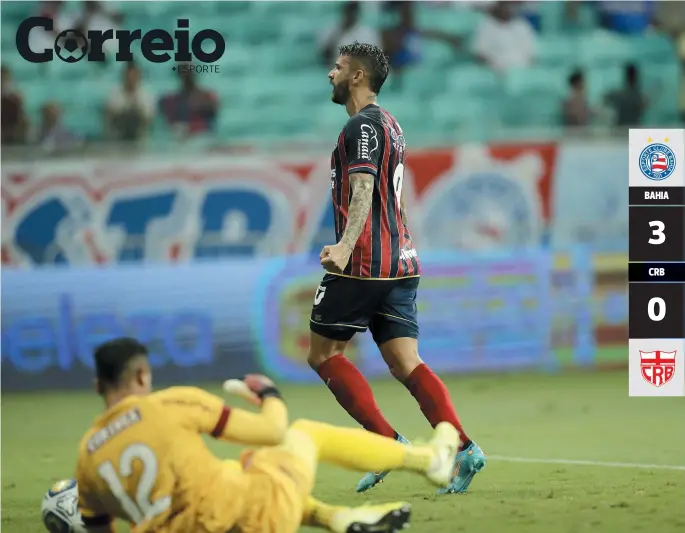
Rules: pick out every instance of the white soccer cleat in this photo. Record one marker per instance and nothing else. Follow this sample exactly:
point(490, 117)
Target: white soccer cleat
point(384, 518)
point(445, 443)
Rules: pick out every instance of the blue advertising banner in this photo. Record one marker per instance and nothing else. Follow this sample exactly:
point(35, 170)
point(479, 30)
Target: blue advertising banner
point(192, 318)
point(476, 313)
point(210, 321)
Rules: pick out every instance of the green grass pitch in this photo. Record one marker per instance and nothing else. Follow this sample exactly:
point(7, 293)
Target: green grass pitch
point(574, 416)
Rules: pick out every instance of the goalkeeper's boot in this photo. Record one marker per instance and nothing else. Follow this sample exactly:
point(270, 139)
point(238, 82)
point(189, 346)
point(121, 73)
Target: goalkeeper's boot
point(384, 518)
point(467, 464)
point(445, 444)
point(371, 479)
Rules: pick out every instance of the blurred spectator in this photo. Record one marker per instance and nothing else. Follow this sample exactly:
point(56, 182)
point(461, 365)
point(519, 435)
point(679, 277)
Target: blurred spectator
point(192, 109)
point(402, 42)
point(626, 17)
point(531, 12)
point(669, 17)
point(576, 111)
point(629, 102)
point(53, 135)
point(504, 40)
point(130, 108)
point(349, 29)
point(14, 121)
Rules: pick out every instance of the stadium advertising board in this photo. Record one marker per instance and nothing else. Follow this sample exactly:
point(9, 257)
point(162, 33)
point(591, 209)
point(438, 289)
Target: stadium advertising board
point(208, 321)
point(70, 212)
point(173, 209)
point(191, 316)
point(166, 209)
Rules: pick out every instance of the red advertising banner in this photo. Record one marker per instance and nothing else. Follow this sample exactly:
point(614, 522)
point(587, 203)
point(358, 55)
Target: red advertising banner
point(175, 209)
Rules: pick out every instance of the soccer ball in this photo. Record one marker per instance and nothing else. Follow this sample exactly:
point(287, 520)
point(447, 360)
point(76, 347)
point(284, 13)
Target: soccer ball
point(60, 508)
point(71, 46)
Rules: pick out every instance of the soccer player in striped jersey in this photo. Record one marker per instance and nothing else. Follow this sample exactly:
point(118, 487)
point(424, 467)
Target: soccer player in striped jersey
point(373, 269)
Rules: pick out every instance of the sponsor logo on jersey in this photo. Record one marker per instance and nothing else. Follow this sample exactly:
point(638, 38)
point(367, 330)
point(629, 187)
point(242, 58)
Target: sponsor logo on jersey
point(368, 143)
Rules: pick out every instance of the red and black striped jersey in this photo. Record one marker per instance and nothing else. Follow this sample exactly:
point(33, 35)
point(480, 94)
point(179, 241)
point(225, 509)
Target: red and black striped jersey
point(372, 142)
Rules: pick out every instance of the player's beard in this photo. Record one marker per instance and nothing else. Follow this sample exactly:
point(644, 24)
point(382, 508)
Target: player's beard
point(341, 93)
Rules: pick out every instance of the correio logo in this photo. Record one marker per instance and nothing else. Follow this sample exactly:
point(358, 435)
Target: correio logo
point(157, 46)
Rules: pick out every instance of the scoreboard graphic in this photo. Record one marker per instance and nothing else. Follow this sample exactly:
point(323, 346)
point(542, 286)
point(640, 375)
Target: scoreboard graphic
point(656, 270)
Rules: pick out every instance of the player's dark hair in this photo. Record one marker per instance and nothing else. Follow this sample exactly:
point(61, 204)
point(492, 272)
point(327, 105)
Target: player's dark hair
point(373, 60)
point(112, 360)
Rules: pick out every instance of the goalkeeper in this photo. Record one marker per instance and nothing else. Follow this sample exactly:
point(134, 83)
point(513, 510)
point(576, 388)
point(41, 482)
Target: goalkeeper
point(144, 459)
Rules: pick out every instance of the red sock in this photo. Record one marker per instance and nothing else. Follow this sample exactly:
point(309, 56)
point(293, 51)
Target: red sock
point(434, 398)
point(353, 393)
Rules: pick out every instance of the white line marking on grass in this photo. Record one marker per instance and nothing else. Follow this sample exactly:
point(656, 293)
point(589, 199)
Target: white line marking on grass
point(585, 463)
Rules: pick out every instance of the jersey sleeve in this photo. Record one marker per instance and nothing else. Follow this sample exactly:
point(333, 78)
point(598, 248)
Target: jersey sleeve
point(362, 145)
point(200, 411)
point(196, 409)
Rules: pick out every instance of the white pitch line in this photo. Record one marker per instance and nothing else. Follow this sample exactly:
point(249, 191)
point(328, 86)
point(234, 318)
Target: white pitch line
point(585, 463)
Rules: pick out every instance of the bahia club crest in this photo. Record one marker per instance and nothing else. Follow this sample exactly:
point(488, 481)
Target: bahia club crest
point(657, 367)
point(657, 160)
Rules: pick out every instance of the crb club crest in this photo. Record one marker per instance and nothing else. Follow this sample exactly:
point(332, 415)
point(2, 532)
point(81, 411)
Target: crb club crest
point(657, 367)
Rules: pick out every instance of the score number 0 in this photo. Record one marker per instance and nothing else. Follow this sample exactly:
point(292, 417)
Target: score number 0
point(656, 309)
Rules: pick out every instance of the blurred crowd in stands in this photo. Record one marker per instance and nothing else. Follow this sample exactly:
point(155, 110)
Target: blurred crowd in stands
point(506, 38)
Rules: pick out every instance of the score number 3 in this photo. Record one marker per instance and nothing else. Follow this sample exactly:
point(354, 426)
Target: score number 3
point(656, 309)
point(142, 508)
point(658, 227)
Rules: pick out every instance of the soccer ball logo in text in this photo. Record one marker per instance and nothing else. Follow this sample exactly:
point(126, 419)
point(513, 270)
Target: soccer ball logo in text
point(71, 46)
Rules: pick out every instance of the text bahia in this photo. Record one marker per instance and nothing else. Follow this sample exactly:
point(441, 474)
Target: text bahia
point(656, 195)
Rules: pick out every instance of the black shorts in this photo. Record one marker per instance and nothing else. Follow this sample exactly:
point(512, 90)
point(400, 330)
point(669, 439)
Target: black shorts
point(344, 306)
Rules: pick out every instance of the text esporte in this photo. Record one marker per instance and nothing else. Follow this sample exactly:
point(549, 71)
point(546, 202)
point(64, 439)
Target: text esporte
point(72, 46)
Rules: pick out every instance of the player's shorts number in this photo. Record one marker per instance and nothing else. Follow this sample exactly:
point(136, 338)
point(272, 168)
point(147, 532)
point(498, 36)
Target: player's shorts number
point(658, 228)
point(656, 309)
point(397, 180)
point(142, 508)
point(320, 293)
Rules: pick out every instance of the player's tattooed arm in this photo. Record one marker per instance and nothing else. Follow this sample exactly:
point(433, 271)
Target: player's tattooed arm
point(358, 211)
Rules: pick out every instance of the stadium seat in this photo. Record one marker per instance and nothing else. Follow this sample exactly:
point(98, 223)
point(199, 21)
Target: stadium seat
point(420, 81)
point(474, 80)
point(604, 48)
point(536, 80)
point(653, 47)
point(436, 54)
point(556, 50)
point(448, 111)
point(451, 18)
point(552, 16)
point(524, 111)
